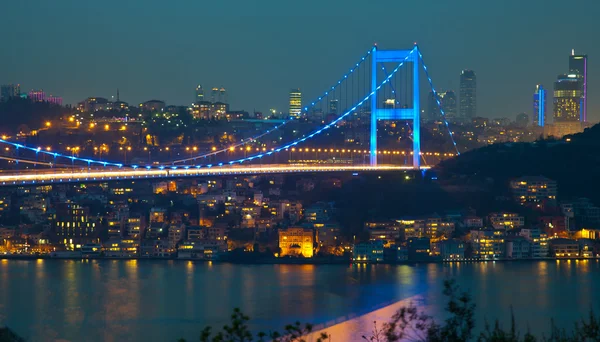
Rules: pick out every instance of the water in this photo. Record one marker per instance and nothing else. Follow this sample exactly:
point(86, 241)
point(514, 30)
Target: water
point(111, 300)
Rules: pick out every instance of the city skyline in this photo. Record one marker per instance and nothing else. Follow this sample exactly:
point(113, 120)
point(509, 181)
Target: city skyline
point(276, 65)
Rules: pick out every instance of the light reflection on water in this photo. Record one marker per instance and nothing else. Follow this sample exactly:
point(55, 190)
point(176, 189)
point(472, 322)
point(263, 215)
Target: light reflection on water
point(111, 300)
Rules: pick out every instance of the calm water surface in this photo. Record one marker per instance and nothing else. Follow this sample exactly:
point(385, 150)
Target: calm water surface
point(109, 300)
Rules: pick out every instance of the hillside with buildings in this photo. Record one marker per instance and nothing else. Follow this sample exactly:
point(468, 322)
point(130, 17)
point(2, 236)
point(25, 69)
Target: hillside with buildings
point(572, 161)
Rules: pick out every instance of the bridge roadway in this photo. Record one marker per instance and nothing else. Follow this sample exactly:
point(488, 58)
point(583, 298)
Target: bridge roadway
point(53, 176)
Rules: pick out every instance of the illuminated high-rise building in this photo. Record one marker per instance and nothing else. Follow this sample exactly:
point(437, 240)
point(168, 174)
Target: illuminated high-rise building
point(295, 103)
point(448, 102)
point(57, 100)
point(214, 95)
point(578, 66)
point(449, 105)
point(222, 95)
point(539, 106)
point(37, 95)
point(468, 94)
point(9, 91)
point(333, 107)
point(567, 98)
point(199, 94)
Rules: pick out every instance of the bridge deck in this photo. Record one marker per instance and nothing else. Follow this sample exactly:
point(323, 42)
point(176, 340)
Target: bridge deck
point(85, 175)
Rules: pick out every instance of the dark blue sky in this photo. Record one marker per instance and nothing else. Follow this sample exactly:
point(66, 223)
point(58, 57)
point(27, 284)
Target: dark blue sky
point(259, 49)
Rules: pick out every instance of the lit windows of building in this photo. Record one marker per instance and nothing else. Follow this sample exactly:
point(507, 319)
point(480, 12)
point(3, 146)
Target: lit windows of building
point(451, 249)
point(537, 191)
point(371, 251)
point(295, 103)
point(539, 242)
point(564, 248)
point(134, 226)
point(176, 234)
point(158, 215)
point(488, 244)
point(505, 220)
point(388, 232)
point(567, 98)
point(296, 241)
point(37, 95)
point(72, 226)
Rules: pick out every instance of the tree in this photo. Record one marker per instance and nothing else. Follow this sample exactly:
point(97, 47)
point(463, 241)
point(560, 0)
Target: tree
point(238, 331)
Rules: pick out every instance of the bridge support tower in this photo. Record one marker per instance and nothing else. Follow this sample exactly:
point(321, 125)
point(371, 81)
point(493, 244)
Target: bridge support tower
point(396, 56)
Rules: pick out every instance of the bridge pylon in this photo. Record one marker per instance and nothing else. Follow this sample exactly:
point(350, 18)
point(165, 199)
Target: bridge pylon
point(396, 56)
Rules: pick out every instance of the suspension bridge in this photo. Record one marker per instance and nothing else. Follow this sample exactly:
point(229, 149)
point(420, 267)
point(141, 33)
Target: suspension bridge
point(382, 87)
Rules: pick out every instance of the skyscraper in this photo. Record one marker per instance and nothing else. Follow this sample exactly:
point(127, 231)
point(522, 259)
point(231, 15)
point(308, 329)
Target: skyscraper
point(468, 94)
point(222, 95)
point(199, 93)
point(9, 91)
point(448, 102)
point(567, 98)
point(539, 106)
point(578, 66)
point(333, 107)
point(449, 105)
point(295, 102)
point(214, 95)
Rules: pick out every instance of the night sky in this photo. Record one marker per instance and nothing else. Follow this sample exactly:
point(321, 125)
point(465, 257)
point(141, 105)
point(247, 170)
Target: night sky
point(258, 50)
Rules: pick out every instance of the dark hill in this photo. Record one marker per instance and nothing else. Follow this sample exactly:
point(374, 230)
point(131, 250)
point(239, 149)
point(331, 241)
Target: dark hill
point(574, 162)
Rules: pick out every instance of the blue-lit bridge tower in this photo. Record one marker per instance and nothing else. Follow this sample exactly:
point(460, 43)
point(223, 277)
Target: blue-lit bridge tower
point(396, 56)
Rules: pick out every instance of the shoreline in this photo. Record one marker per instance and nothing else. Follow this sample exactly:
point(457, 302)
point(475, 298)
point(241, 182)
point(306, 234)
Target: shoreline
point(278, 261)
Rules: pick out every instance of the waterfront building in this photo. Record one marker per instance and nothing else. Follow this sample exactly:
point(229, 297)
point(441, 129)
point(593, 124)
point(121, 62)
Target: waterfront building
point(564, 248)
point(539, 242)
point(587, 248)
point(199, 250)
point(72, 226)
point(532, 190)
point(517, 247)
point(452, 249)
point(121, 248)
point(296, 241)
point(468, 95)
point(155, 248)
point(371, 251)
point(419, 248)
point(488, 243)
